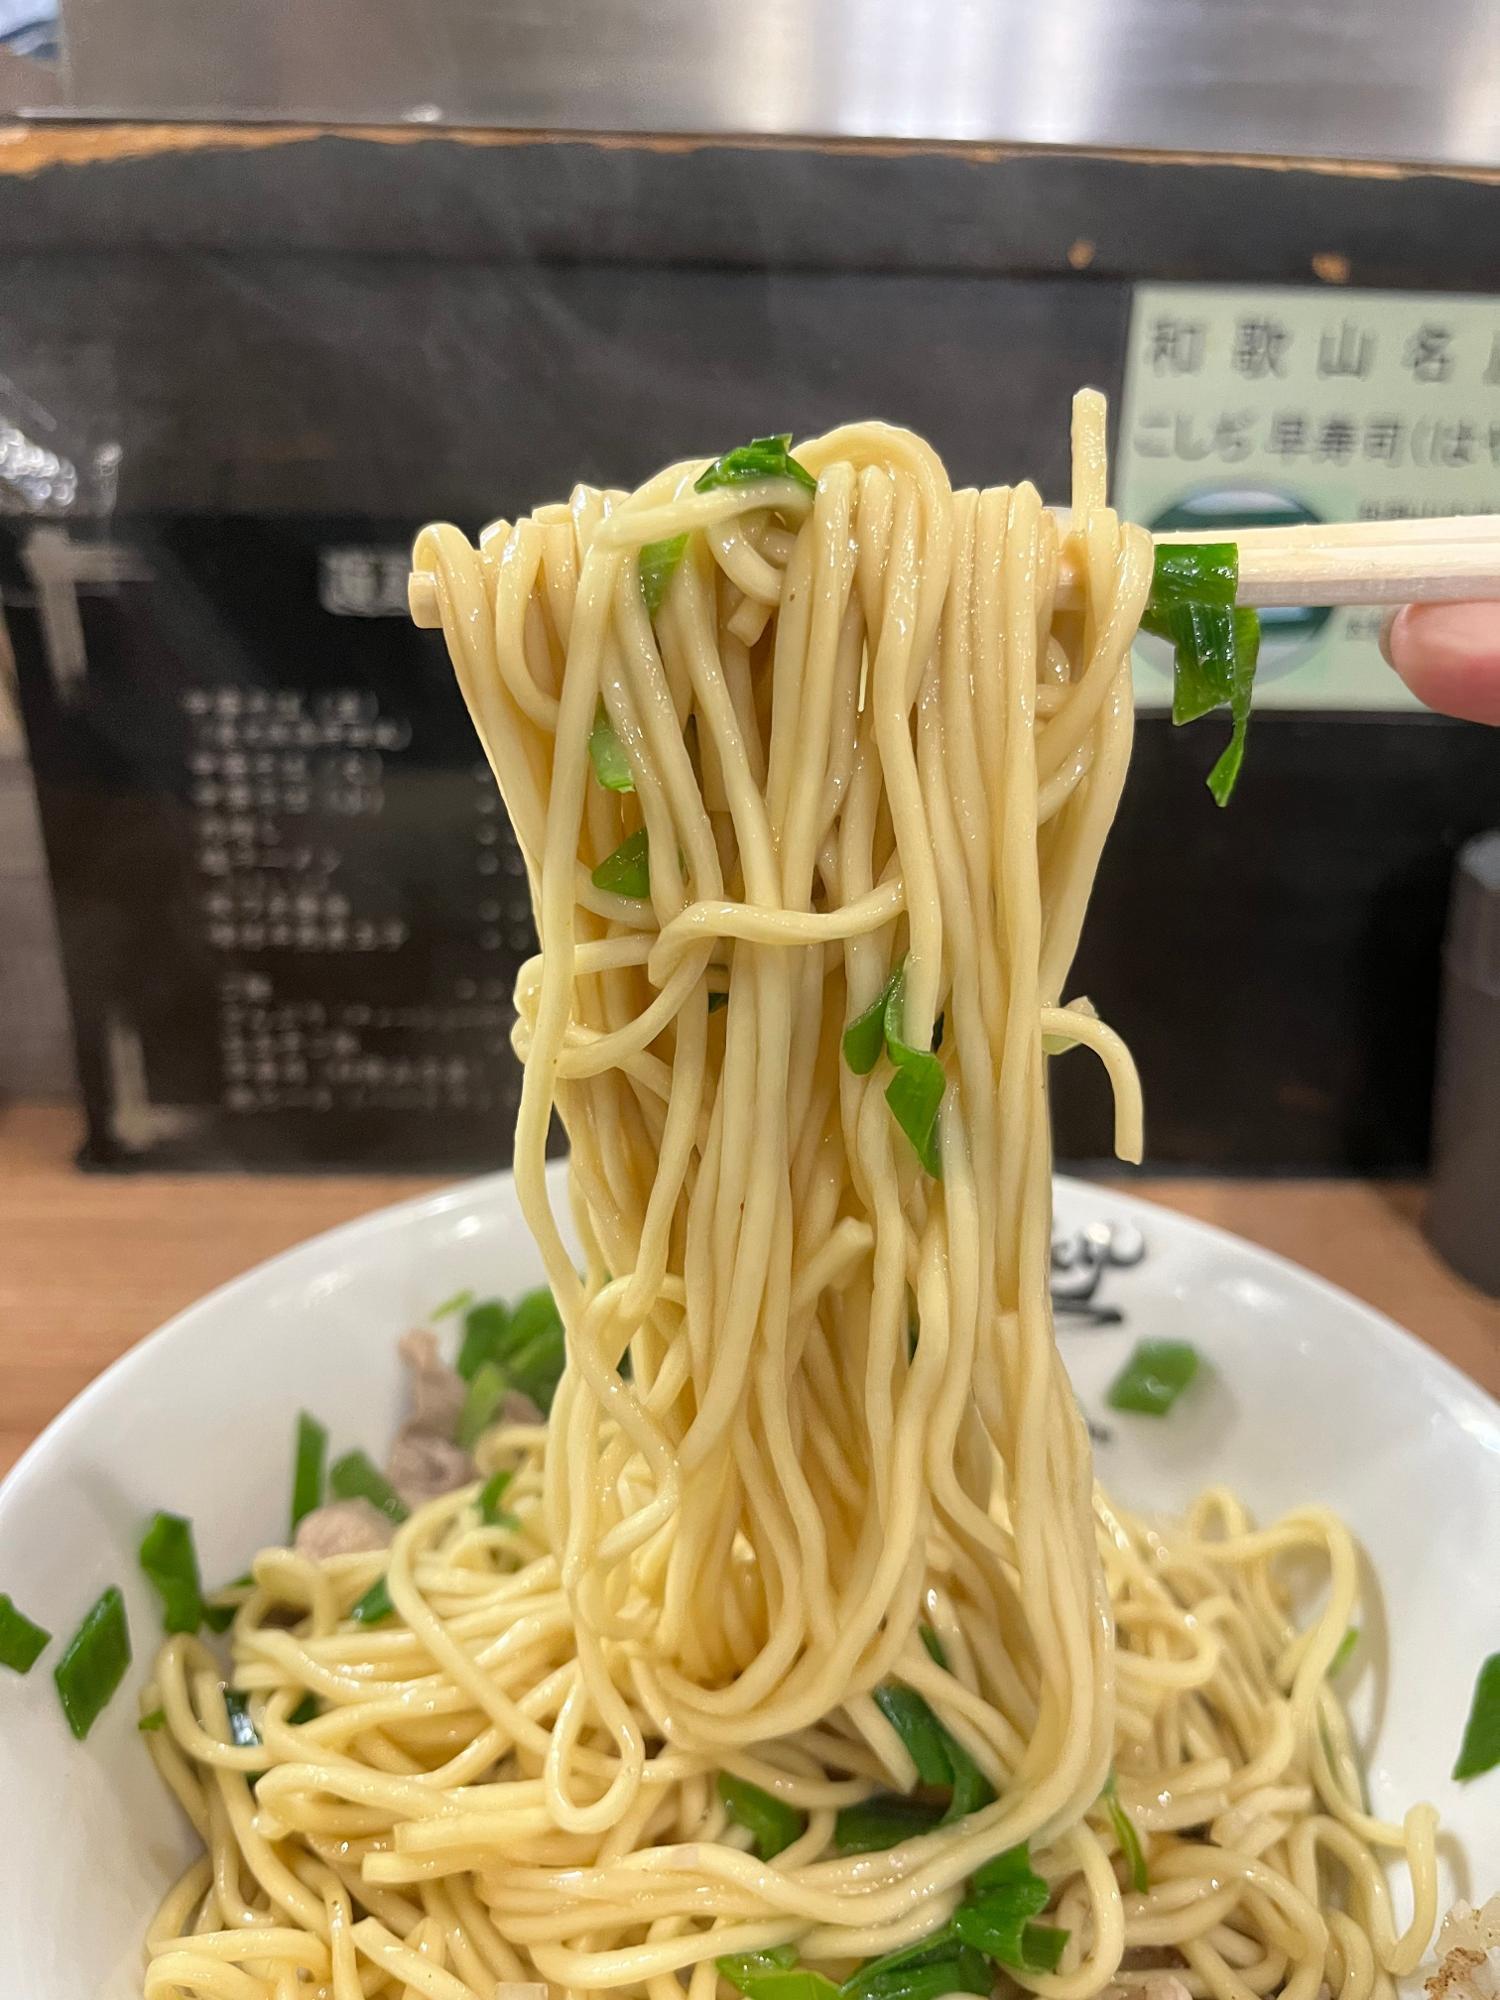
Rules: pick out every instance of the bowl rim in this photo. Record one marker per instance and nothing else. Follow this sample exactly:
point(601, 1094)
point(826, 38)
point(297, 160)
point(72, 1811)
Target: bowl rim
point(1446, 1379)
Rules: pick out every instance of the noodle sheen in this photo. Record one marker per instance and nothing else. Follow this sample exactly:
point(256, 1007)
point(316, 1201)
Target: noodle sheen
point(861, 737)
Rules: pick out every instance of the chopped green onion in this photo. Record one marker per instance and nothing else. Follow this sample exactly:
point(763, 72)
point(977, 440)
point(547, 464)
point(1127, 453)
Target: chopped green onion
point(157, 1719)
point(1154, 1377)
point(865, 1035)
point(995, 1921)
point(926, 1740)
point(21, 1642)
point(1128, 1838)
point(627, 872)
point(460, 1302)
point(355, 1476)
point(491, 1513)
point(923, 1971)
point(794, 1983)
point(171, 1565)
point(485, 1395)
point(1042, 1947)
point(915, 1092)
point(537, 1348)
point(934, 1646)
point(659, 562)
point(1203, 664)
point(1480, 1750)
point(1190, 573)
point(939, 1758)
point(1012, 1865)
point(1224, 776)
point(1344, 1652)
point(242, 1730)
point(484, 1336)
point(717, 999)
point(1215, 645)
point(607, 754)
point(305, 1710)
point(739, 1968)
point(307, 1467)
point(374, 1605)
point(762, 458)
point(93, 1662)
point(883, 1821)
point(773, 1824)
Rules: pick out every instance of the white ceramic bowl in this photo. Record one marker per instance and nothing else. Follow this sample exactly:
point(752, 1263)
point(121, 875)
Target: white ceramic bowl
point(1310, 1396)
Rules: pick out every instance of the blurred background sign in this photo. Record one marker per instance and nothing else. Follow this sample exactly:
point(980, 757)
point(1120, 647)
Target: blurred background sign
point(1267, 406)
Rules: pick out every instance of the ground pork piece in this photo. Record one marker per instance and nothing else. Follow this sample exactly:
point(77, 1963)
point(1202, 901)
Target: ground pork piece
point(423, 1465)
point(1468, 1952)
point(342, 1528)
point(436, 1391)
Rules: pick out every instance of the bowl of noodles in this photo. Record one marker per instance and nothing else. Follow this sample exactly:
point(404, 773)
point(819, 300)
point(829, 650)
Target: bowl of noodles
point(791, 1550)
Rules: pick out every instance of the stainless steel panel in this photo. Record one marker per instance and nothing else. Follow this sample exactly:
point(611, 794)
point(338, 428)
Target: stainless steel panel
point(1320, 78)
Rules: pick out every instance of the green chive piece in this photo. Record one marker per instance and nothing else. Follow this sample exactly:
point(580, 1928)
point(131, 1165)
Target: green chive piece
point(773, 1824)
point(1203, 661)
point(627, 872)
point(355, 1476)
point(242, 1730)
point(762, 458)
point(1005, 1894)
point(94, 1662)
point(940, 1759)
point(491, 1513)
point(486, 1393)
point(374, 1605)
point(934, 1646)
point(1344, 1652)
point(305, 1710)
point(935, 1965)
point(460, 1302)
point(915, 1092)
point(1215, 645)
point(1154, 1377)
point(536, 1347)
point(308, 1456)
point(883, 1821)
point(607, 754)
point(484, 1336)
point(1042, 1947)
point(864, 1037)
point(739, 1968)
point(1225, 775)
point(21, 1642)
point(659, 562)
point(1190, 573)
point(795, 1983)
point(1011, 1866)
point(171, 1565)
point(157, 1719)
point(1480, 1749)
point(1129, 1839)
point(717, 999)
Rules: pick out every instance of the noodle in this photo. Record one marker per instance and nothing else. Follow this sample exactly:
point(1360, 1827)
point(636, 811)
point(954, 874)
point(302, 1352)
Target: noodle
point(861, 738)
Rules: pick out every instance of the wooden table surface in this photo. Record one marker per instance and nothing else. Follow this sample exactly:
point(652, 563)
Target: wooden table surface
point(90, 1263)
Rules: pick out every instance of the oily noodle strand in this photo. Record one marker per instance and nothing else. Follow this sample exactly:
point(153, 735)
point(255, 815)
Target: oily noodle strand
point(861, 737)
